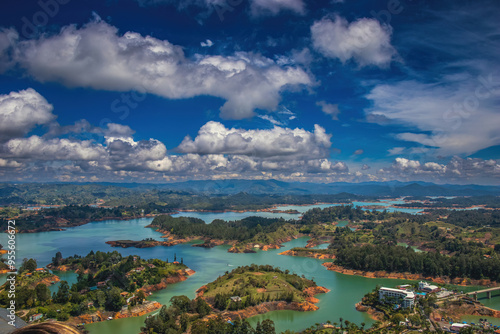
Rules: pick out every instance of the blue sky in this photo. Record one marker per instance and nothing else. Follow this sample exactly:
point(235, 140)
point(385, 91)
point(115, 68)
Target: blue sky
point(164, 90)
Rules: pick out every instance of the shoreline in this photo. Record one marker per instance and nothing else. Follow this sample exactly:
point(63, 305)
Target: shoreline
point(409, 276)
point(138, 310)
point(310, 254)
point(306, 306)
point(58, 227)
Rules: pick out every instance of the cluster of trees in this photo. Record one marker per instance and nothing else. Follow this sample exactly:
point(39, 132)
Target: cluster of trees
point(475, 218)
point(405, 259)
point(239, 230)
point(86, 294)
point(75, 214)
point(223, 301)
point(185, 313)
point(347, 212)
point(112, 267)
point(220, 326)
point(27, 296)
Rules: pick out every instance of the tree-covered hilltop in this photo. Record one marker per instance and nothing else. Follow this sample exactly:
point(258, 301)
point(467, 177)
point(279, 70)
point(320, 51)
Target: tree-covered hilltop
point(252, 285)
point(105, 282)
point(196, 316)
point(350, 213)
point(127, 273)
point(240, 230)
point(250, 230)
point(215, 312)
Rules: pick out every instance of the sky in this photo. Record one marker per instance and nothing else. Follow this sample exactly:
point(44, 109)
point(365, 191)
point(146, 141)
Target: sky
point(155, 91)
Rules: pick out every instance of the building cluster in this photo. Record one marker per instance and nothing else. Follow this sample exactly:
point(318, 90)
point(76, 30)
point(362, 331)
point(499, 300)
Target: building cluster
point(402, 297)
point(404, 294)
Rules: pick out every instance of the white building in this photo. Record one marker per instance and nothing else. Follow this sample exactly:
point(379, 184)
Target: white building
point(426, 287)
point(405, 298)
point(457, 327)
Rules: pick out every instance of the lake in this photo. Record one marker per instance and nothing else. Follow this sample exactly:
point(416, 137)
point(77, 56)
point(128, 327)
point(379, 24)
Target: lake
point(208, 264)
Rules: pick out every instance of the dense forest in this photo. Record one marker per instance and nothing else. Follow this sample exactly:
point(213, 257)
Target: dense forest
point(474, 218)
point(73, 215)
point(350, 213)
point(239, 230)
point(467, 262)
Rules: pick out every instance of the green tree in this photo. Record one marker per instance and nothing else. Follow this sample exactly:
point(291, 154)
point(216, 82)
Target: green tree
point(397, 318)
point(258, 328)
point(202, 307)
point(57, 259)
point(268, 327)
point(114, 300)
point(28, 265)
point(141, 296)
point(62, 295)
point(182, 303)
point(100, 298)
point(42, 293)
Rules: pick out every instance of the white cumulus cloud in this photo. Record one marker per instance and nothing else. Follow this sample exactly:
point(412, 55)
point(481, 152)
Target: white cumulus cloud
point(21, 111)
point(97, 56)
point(366, 41)
point(215, 138)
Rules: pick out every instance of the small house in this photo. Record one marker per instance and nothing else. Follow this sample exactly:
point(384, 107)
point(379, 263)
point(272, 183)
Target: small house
point(236, 299)
point(101, 284)
point(36, 317)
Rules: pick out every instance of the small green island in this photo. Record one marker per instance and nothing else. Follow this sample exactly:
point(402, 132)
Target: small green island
point(223, 305)
point(249, 286)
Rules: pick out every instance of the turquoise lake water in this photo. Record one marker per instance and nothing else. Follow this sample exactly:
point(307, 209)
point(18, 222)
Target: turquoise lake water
point(208, 264)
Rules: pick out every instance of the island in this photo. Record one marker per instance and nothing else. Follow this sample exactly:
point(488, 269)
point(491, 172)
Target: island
point(244, 236)
point(232, 298)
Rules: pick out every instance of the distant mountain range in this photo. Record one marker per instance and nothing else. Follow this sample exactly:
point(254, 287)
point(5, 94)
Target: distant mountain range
point(239, 191)
point(392, 188)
